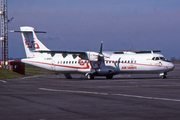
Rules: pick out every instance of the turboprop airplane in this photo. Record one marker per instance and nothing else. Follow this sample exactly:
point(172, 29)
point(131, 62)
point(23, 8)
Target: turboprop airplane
point(92, 63)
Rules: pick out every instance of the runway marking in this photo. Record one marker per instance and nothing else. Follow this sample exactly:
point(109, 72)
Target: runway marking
point(71, 91)
point(144, 97)
point(124, 95)
point(3, 81)
point(152, 86)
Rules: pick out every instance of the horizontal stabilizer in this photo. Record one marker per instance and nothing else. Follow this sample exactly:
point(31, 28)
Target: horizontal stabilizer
point(27, 31)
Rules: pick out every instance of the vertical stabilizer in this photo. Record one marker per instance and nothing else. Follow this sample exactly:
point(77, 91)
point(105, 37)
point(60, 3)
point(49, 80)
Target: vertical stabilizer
point(31, 42)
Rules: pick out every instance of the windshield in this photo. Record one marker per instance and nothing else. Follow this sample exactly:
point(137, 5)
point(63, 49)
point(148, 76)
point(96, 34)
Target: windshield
point(164, 59)
point(160, 58)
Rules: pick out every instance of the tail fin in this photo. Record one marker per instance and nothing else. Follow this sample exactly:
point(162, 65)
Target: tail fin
point(31, 42)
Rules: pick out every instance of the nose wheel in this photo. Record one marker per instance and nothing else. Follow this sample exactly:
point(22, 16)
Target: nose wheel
point(163, 75)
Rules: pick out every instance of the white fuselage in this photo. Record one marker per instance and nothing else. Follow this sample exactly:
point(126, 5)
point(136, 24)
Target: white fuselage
point(115, 64)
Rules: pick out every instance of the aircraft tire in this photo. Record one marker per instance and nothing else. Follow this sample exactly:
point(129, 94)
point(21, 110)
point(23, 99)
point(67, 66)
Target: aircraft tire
point(109, 76)
point(90, 76)
point(163, 77)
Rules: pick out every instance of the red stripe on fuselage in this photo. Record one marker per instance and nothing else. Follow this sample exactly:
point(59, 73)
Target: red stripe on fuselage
point(86, 67)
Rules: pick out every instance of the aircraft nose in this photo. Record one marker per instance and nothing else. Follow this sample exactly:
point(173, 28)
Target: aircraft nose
point(171, 66)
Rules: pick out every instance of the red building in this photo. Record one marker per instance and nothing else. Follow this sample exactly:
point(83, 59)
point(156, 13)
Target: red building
point(16, 66)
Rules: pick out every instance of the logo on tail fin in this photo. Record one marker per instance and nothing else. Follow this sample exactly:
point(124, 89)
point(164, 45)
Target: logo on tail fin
point(32, 44)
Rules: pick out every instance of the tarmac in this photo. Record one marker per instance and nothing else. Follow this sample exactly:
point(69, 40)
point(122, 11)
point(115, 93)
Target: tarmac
point(125, 97)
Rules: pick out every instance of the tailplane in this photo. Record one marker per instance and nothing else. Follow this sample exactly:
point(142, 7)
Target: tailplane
point(31, 42)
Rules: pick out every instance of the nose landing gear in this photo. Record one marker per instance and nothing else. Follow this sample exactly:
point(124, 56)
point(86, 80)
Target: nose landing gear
point(163, 75)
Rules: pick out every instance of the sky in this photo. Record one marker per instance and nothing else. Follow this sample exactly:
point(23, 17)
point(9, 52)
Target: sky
point(81, 25)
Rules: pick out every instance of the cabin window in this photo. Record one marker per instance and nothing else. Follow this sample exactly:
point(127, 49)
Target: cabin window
point(135, 61)
point(106, 61)
point(109, 61)
point(69, 62)
point(112, 61)
point(131, 61)
point(122, 61)
point(72, 62)
point(125, 61)
point(66, 62)
point(75, 62)
point(128, 61)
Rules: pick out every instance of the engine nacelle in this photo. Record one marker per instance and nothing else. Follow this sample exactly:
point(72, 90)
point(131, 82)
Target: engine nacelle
point(93, 56)
point(105, 71)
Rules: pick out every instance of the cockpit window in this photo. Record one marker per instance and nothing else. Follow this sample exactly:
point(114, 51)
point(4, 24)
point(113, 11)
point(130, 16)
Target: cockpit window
point(160, 58)
point(163, 59)
point(157, 58)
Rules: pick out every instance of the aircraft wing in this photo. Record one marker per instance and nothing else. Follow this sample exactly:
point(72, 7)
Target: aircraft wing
point(66, 52)
point(153, 51)
point(138, 52)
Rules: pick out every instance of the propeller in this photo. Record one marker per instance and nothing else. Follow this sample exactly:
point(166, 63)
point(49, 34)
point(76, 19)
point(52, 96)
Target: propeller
point(100, 56)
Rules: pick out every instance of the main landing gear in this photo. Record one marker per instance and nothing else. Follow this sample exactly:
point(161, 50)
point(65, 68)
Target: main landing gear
point(68, 76)
point(109, 76)
point(90, 76)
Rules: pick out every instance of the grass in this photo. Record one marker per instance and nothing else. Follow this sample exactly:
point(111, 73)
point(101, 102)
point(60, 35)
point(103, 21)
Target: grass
point(29, 71)
point(7, 74)
point(176, 62)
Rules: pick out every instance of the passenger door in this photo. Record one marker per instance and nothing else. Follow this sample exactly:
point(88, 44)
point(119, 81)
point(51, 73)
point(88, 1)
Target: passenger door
point(53, 65)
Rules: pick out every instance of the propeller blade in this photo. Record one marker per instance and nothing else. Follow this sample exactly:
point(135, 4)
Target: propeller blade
point(100, 52)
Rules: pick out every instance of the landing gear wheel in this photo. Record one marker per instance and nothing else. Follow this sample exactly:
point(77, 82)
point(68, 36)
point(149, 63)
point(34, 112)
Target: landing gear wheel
point(90, 76)
point(163, 77)
point(109, 76)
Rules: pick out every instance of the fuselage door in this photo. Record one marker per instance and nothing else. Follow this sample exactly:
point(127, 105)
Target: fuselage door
point(53, 65)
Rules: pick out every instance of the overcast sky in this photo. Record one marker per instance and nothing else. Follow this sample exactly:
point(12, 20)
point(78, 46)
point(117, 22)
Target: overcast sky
point(82, 24)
